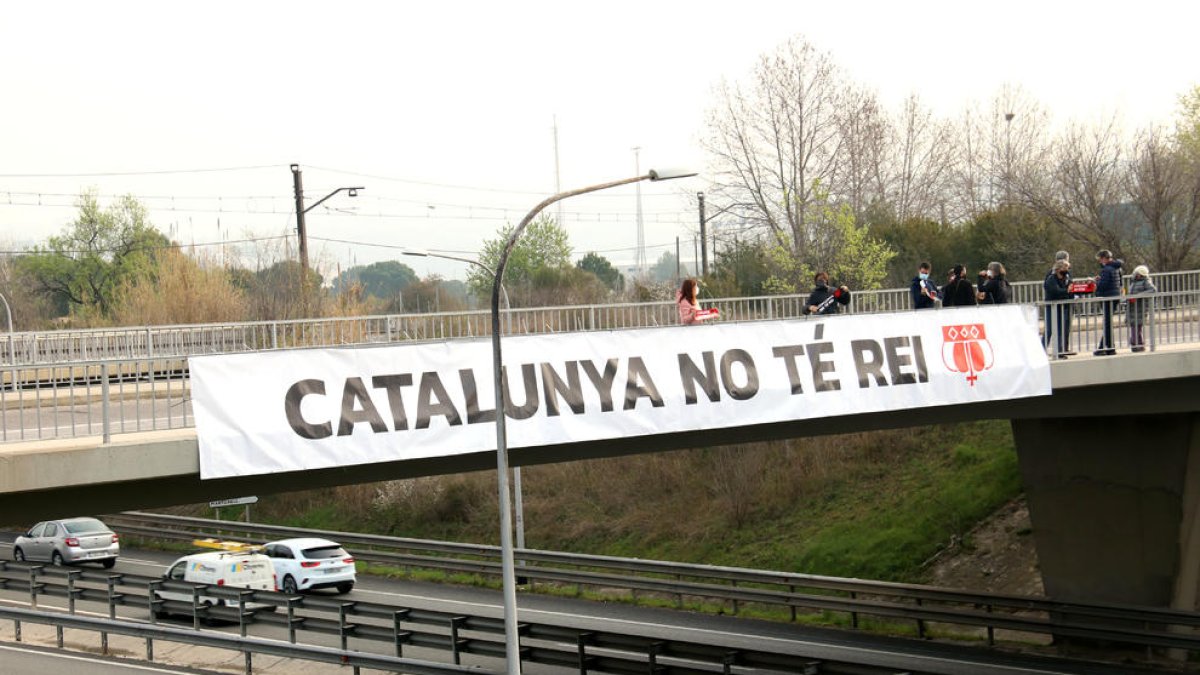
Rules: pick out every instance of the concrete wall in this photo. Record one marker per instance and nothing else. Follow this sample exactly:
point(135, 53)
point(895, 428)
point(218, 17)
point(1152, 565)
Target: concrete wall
point(1113, 503)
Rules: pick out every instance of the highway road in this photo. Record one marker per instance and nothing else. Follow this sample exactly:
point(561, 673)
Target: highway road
point(804, 642)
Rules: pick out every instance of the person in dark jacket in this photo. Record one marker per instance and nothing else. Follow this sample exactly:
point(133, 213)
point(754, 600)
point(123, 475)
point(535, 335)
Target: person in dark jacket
point(958, 292)
point(1058, 316)
point(1108, 285)
point(923, 291)
point(993, 286)
point(1136, 316)
point(825, 300)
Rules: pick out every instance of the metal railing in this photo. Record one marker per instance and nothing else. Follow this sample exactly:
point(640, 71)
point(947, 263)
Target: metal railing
point(39, 348)
point(105, 397)
point(457, 635)
point(733, 588)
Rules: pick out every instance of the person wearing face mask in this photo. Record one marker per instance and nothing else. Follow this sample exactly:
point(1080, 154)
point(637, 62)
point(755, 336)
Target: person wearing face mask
point(1136, 318)
point(958, 292)
point(825, 300)
point(923, 291)
point(993, 286)
point(1108, 285)
point(1058, 316)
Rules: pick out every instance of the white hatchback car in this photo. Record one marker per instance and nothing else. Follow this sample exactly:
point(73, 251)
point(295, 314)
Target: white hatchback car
point(306, 564)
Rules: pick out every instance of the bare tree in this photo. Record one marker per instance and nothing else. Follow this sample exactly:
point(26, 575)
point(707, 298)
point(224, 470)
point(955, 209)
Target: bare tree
point(861, 176)
point(995, 148)
point(1164, 184)
point(922, 160)
point(1084, 192)
point(776, 144)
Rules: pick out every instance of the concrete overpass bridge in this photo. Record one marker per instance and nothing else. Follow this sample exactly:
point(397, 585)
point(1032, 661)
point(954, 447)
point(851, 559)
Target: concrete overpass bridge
point(1110, 462)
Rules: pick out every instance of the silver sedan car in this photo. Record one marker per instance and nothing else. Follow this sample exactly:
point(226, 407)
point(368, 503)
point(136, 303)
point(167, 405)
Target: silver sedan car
point(67, 541)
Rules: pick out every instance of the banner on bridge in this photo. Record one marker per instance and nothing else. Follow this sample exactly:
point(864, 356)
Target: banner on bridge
point(268, 412)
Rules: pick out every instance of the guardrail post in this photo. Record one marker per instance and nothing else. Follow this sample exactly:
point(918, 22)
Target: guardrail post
point(455, 622)
point(33, 585)
point(105, 408)
point(291, 619)
point(652, 656)
point(242, 612)
point(853, 615)
point(112, 611)
point(792, 603)
point(399, 637)
point(1152, 322)
point(149, 343)
point(920, 624)
point(728, 661)
point(343, 629)
point(195, 608)
point(151, 591)
point(72, 575)
point(991, 631)
point(735, 602)
point(583, 640)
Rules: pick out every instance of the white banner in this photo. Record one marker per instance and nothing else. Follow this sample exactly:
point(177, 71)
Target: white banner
point(265, 412)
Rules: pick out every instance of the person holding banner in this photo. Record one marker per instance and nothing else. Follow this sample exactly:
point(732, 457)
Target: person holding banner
point(822, 300)
point(689, 310)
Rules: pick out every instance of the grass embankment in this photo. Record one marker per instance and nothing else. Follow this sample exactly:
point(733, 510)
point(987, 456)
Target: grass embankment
point(871, 505)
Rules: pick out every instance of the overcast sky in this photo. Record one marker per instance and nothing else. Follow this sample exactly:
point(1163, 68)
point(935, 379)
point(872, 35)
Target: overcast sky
point(445, 110)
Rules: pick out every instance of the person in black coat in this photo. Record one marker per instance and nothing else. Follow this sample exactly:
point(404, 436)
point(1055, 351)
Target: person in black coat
point(825, 300)
point(958, 292)
point(993, 286)
point(923, 291)
point(1057, 288)
point(1108, 285)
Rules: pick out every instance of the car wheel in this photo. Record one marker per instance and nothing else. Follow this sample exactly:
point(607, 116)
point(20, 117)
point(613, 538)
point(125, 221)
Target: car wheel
point(108, 564)
point(57, 559)
point(345, 588)
point(289, 585)
point(18, 555)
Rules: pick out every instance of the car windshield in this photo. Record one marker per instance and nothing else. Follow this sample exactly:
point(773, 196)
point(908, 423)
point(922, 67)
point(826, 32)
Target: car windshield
point(324, 552)
point(84, 525)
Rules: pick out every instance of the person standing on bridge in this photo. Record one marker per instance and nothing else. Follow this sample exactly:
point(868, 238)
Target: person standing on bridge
point(958, 292)
point(922, 289)
point(1058, 316)
point(689, 310)
point(1108, 285)
point(823, 300)
point(1136, 316)
point(993, 286)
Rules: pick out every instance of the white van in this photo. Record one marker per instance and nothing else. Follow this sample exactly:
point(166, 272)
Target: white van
point(234, 565)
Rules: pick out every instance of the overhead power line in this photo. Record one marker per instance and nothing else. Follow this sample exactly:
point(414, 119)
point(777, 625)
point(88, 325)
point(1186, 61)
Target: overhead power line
point(159, 172)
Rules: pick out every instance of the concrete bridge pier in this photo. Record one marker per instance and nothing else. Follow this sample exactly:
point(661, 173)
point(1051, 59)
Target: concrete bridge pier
point(1115, 506)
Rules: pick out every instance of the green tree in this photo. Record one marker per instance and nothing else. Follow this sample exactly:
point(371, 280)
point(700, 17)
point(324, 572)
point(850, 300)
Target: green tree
point(383, 280)
point(604, 271)
point(853, 257)
point(105, 249)
point(543, 245)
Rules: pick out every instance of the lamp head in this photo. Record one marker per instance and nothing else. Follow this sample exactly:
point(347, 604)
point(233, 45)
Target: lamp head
point(353, 192)
point(669, 174)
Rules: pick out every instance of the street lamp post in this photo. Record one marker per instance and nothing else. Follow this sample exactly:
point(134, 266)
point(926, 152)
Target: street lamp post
point(301, 227)
point(511, 642)
point(520, 506)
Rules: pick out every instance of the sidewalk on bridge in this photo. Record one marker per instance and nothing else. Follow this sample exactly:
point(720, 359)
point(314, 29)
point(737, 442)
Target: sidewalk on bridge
point(92, 393)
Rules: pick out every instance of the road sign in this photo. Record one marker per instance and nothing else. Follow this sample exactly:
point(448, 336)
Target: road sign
point(236, 501)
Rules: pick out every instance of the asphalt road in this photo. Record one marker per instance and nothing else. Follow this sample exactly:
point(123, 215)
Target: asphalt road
point(731, 632)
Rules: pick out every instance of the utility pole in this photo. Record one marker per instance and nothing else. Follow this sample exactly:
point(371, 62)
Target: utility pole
point(703, 239)
point(301, 230)
point(678, 274)
point(640, 256)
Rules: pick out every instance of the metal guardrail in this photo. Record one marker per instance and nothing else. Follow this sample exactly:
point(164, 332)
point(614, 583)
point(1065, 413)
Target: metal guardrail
point(399, 628)
point(105, 397)
point(1146, 626)
point(246, 645)
point(37, 348)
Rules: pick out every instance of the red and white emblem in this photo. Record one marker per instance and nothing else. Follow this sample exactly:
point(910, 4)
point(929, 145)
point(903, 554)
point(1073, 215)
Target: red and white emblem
point(965, 349)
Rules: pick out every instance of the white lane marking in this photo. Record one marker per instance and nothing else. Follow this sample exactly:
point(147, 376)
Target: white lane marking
point(69, 657)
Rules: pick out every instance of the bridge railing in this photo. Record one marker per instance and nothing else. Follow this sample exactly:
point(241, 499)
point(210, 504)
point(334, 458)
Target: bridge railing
point(113, 396)
point(37, 348)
